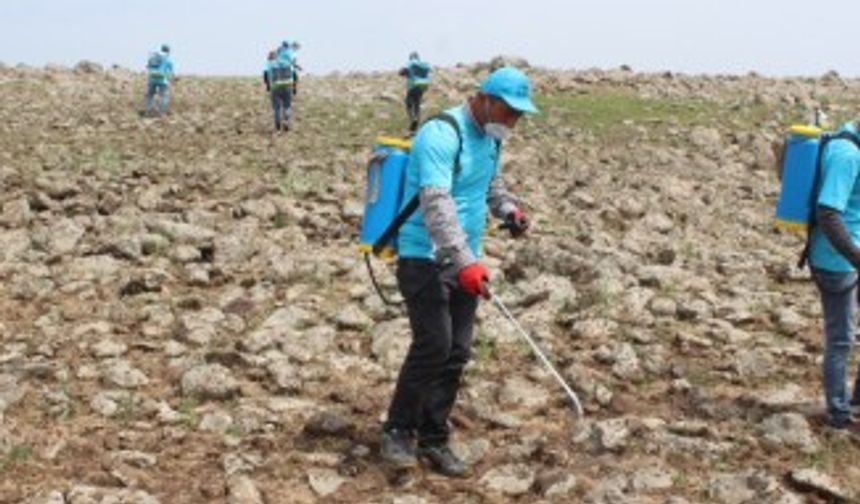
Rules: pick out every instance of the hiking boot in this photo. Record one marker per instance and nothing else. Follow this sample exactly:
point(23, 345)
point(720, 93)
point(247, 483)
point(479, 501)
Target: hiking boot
point(444, 461)
point(396, 448)
point(851, 427)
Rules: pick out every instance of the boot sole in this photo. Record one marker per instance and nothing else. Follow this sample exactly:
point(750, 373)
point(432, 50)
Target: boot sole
point(428, 461)
point(400, 463)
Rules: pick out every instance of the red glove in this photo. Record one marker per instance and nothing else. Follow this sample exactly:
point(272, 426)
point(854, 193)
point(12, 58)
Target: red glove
point(516, 222)
point(472, 278)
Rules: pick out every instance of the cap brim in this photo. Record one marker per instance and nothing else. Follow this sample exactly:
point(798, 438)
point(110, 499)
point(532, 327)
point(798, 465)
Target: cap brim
point(521, 104)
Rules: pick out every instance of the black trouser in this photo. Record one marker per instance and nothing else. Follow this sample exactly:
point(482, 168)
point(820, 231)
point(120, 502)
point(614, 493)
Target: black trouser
point(441, 316)
point(413, 106)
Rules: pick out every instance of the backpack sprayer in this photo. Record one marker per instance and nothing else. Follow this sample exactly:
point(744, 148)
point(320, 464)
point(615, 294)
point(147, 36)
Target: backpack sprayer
point(386, 176)
point(800, 173)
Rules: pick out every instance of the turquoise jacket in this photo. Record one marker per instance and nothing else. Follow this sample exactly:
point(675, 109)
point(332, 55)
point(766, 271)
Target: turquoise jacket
point(431, 164)
point(840, 190)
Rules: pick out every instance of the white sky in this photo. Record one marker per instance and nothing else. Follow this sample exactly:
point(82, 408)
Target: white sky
point(229, 37)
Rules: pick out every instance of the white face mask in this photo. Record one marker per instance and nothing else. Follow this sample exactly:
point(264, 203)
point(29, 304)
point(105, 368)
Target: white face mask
point(496, 131)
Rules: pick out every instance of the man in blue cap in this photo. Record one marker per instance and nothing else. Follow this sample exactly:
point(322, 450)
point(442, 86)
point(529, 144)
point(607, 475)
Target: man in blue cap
point(159, 70)
point(454, 169)
point(417, 73)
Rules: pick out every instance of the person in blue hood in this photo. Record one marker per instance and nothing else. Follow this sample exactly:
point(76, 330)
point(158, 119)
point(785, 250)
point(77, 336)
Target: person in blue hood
point(417, 73)
point(160, 73)
point(834, 257)
point(454, 168)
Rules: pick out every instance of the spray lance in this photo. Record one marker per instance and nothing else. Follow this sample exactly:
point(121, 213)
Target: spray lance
point(577, 405)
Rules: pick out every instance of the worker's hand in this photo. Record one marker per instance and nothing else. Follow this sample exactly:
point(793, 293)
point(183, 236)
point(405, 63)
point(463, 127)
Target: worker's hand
point(472, 278)
point(516, 222)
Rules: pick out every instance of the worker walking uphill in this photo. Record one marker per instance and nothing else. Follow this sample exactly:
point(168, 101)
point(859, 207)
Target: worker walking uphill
point(454, 168)
point(159, 70)
point(279, 78)
point(417, 75)
point(834, 255)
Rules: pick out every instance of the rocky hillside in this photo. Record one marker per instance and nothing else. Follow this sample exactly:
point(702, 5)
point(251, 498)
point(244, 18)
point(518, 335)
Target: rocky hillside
point(184, 317)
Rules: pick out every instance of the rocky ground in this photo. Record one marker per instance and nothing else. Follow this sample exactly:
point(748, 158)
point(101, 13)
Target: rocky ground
point(184, 317)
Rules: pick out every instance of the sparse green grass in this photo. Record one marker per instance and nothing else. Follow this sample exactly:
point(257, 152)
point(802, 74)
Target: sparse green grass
point(612, 115)
point(109, 160)
point(484, 348)
point(127, 411)
point(299, 182)
point(282, 220)
point(702, 377)
point(190, 418)
point(19, 454)
point(671, 290)
point(598, 299)
point(234, 431)
point(836, 452)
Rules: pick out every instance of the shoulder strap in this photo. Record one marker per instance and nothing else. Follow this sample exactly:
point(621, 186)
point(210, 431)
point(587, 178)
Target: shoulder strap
point(451, 121)
point(816, 182)
point(413, 204)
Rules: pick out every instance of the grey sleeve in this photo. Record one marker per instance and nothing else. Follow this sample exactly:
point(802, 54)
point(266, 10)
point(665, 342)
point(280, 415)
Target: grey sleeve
point(440, 217)
point(500, 200)
point(834, 229)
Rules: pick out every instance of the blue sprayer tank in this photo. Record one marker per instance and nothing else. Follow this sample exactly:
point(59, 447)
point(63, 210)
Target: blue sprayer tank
point(386, 176)
point(800, 155)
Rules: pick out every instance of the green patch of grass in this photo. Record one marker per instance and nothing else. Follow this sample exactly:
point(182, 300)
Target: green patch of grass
point(282, 220)
point(109, 160)
point(835, 452)
point(234, 432)
point(612, 115)
point(127, 410)
point(19, 454)
point(485, 348)
point(702, 377)
point(300, 182)
point(670, 290)
point(598, 299)
point(190, 418)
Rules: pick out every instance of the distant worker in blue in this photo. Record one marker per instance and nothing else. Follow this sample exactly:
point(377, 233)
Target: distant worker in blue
point(456, 173)
point(279, 78)
point(417, 73)
point(160, 72)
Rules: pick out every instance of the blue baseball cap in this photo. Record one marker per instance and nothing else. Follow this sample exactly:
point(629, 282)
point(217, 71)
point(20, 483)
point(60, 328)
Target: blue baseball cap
point(511, 85)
